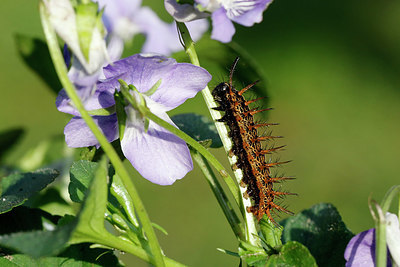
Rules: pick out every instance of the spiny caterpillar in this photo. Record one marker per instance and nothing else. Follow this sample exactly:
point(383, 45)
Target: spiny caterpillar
point(248, 149)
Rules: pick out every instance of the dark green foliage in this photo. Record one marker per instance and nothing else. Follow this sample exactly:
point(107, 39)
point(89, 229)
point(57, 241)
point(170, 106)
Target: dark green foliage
point(51, 201)
point(76, 255)
point(17, 188)
point(36, 55)
point(23, 219)
point(292, 254)
point(26, 230)
point(322, 231)
point(44, 237)
point(198, 127)
point(38, 243)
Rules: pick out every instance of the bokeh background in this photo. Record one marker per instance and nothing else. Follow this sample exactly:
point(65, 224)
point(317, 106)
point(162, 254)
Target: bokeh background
point(333, 77)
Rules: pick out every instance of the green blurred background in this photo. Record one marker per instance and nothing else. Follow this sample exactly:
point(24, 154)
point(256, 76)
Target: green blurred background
point(333, 77)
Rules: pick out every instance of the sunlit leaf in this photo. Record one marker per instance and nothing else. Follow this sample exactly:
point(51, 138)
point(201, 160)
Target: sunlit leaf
point(292, 254)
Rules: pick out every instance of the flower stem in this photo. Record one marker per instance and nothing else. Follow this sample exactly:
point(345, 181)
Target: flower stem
point(251, 233)
point(123, 245)
point(381, 247)
point(219, 195)
point(61, 70)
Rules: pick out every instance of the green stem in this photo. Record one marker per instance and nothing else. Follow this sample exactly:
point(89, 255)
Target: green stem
point(380, 237)
point(219, 195)
point(251, 233)
point(387, 199)
point(381, 247)
point(123, 245)
point(62, 71)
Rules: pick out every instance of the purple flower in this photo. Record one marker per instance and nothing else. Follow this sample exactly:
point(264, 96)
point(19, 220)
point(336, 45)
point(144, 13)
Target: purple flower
point(157, 154)
point(126, 18)
point(223, 12)
point(360, 251)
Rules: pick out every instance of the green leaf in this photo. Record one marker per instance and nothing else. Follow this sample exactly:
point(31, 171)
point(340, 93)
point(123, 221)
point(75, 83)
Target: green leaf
point(87, 153)
point(51, 201)
point(8, 139)
point(38, 243)
point(228, 252)
point(17, 188)
point(271, 234)
point(93, 154)
point(322, 231)
point(292, 254)
point(154, 88)
point(160, 228)
point(254, 256)
point(36, 55)
point(118, 190)
point(91, 217)
point(102, 111)
point(22, 230)
point(121, 113)
point(81, 174)
point(76, 255)
point(198, 127)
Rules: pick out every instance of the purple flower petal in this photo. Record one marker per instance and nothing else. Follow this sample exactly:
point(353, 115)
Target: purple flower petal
point(91, 99)
point(253, 15)
point(78, 134)
point(183, 12)
point(196, 29)
point(179, 81)
point(223, 28)
point(158, 155)
point(124, 19)
point(161, 37)
point(116, 9)
point(360, 251)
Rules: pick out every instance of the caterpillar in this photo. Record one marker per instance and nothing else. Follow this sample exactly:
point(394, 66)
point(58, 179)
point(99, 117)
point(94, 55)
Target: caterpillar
point(249, 150)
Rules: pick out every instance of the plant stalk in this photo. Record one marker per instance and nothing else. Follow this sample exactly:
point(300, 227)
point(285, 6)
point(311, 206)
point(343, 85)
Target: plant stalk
point(62, 73)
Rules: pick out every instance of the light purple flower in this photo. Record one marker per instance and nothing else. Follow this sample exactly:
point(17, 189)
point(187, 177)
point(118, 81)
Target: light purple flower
point(126, 18)
point(360, 251)
point(223, 12)
point(157, 154)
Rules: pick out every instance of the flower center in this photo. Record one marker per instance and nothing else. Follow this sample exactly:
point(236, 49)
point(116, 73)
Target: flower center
point(235, 8)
